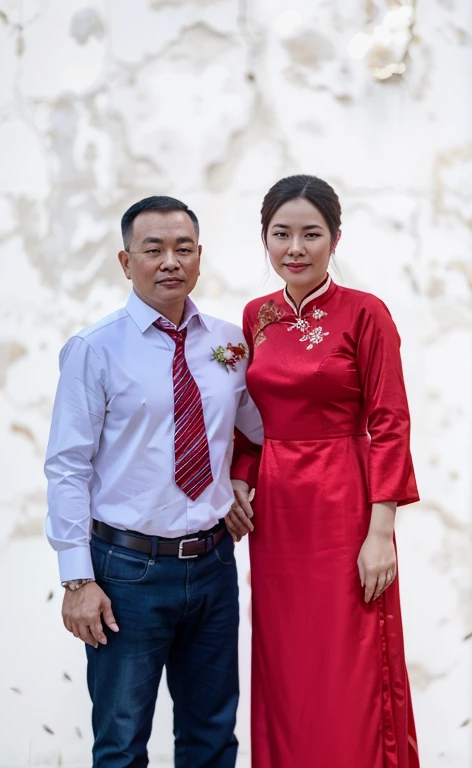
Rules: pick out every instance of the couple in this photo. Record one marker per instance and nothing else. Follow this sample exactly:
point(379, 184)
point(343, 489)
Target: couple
point(139, 455)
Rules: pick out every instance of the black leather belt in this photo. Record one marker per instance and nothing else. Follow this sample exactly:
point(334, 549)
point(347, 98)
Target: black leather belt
point(183, 548)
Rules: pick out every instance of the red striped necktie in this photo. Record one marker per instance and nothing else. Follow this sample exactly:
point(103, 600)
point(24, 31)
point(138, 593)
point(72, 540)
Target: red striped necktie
point(192, 455)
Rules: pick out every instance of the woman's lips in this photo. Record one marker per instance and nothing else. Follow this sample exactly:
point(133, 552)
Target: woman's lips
point(297, 267)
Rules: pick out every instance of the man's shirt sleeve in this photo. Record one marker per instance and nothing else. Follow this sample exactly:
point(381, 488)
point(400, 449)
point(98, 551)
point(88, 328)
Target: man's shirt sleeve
point(77, 421)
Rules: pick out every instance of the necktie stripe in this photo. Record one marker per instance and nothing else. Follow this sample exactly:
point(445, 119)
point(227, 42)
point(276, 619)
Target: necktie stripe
point(186, 403)
point(197, 485)
point(191, 454)
point(188, 423)
point(190, 407)
point(192, 480)
point(192, 470)
point(189, 457)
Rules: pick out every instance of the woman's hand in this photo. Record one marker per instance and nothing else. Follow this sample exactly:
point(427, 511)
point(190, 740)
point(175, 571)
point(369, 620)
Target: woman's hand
point(238, 519)
point(377, 563)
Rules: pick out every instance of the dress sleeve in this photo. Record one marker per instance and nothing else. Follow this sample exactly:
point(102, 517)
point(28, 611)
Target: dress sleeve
point(246, 454)
point(390, 476)
point(246, 459)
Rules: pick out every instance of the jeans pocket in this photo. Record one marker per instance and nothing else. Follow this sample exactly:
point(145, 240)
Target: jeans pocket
point(224, 551)
point(127, 567)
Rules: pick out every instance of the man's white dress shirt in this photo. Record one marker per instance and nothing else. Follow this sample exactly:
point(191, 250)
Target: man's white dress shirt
point(111, 449)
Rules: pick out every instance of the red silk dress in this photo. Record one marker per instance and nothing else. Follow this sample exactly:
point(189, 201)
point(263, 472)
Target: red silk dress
point(329, 683)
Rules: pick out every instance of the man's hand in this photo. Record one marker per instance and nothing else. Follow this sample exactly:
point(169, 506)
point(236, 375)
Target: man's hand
point(238, 519)
point(82, 610)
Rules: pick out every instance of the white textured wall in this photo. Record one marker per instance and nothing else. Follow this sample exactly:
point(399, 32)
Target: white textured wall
point(212, 101)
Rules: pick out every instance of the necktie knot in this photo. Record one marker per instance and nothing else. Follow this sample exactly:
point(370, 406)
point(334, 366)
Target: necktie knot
point(165, 325)
point(179, 336)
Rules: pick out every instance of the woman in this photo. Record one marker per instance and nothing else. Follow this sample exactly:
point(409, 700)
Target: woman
point(329, 683)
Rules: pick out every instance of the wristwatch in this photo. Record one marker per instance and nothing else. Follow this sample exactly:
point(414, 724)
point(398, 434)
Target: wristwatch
point(75, 583)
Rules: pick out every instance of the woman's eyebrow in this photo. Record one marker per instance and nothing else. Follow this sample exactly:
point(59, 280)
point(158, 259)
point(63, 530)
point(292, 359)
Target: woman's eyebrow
point(307, 226)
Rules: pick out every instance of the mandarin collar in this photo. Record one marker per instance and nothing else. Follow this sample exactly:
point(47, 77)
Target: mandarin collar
point(144, 316)
point(322, 290)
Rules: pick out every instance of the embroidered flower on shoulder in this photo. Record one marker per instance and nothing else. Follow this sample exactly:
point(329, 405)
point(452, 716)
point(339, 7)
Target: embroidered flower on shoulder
point(230, 355)
point(268, 314)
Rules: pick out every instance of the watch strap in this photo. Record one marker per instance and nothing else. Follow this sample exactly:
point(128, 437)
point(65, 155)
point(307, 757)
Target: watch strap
point(74, 584)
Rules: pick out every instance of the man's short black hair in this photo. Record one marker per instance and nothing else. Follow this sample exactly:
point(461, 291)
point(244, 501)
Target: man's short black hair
point(156, 203)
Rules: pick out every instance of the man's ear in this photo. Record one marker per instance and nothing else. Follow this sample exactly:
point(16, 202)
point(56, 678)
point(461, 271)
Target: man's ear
point(199, 253)
point(124, 258)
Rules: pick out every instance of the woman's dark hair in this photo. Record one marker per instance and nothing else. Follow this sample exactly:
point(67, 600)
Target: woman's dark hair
point(311, 188)
point(156, 203)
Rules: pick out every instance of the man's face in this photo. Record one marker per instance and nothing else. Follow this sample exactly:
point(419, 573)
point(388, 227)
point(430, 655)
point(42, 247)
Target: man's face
point(163, 258)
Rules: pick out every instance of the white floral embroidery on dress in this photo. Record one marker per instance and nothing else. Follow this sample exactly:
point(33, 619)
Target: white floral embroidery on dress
point(299, 325)
point(312, 335)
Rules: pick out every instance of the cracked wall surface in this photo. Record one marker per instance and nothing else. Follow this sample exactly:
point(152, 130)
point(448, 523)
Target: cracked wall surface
point(103, 103)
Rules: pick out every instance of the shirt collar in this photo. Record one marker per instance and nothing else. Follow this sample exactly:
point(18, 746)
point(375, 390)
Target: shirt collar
point(144, 315)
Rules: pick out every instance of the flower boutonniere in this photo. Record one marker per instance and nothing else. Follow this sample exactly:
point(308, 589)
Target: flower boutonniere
point(230, 355)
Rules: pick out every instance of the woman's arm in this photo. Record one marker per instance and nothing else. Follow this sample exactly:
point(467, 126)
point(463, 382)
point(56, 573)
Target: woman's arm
point(391, 479)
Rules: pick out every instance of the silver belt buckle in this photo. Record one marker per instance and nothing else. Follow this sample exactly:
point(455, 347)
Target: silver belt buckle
point(181, 549)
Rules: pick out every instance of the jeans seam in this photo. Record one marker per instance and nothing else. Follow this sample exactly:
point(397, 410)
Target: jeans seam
point(105, 577)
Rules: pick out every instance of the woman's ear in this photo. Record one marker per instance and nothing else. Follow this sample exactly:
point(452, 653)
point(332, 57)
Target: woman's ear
point(335, 242)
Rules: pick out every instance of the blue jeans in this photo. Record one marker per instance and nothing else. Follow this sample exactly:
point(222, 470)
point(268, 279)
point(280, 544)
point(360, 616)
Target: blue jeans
point(179, 613)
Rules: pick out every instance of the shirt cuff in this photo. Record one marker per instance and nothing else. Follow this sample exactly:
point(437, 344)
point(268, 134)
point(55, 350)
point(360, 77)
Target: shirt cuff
point(75, 563)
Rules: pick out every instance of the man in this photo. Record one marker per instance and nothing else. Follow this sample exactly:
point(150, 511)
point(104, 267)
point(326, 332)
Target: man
point(139, 451)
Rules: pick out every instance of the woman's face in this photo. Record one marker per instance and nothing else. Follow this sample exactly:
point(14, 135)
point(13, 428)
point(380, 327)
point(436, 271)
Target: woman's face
point(299, 245)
